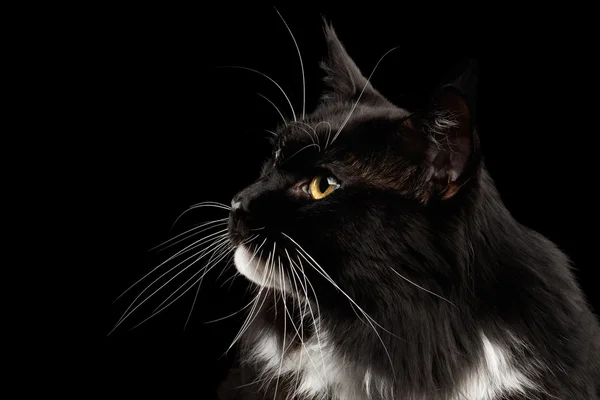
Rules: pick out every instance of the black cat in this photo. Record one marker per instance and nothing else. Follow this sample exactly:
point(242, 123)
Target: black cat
point(387, 267)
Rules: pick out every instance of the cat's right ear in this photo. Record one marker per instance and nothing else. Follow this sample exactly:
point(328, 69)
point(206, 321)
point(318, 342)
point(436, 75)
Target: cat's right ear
point(343, 77)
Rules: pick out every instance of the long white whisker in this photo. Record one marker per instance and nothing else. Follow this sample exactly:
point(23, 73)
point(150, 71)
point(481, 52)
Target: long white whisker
point(305, 147)
point(222, 246)
point(328, 131)
point(369, 319)
point(361, 93)
point(127, 312)
point(249, 240)
point(301, 65)
point(222, 249)
point(196, 243)
point(421, 287)
point(213, 204)
point(301, 342)
point(215, 223)
point(193, 305)
point(323, 273)
point(227, 250)
point(305, 288)
point(178, 297)
point(269, 78)
point(230, 315)
point(315, 138)
point(276, 108)
point(302, 312)
point(283, 337)
point(249, 319)
point(266, 275)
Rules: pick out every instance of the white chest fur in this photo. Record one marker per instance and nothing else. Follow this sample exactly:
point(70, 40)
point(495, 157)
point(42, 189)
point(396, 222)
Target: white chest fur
point(496, 374)
point(318, 370)
point(315, 368)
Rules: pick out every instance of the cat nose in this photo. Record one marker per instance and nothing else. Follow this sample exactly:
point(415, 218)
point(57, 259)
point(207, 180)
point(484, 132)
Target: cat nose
point(240, 204)
point(235, 204)
point(243, 203)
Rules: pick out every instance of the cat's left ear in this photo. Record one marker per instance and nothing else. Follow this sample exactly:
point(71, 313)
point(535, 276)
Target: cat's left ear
point(343, 77)
point(452, 153)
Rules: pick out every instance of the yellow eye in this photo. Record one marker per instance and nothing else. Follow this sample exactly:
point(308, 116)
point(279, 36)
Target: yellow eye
point(322, 186)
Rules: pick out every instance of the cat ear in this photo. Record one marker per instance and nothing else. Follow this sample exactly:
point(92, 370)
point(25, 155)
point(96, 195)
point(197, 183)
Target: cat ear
point(342, 75)
point(452, 153)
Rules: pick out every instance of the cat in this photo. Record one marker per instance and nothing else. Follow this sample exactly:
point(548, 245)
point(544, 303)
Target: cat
point(387, 267)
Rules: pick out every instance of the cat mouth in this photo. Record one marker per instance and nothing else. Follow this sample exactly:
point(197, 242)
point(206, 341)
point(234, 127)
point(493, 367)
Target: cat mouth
point(264, 271)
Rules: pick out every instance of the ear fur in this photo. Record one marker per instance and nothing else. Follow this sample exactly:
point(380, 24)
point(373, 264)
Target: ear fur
point(342, 75)
point(452, 154)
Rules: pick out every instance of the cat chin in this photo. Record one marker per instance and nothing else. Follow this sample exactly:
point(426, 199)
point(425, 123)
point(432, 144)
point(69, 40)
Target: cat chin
point(256, 270)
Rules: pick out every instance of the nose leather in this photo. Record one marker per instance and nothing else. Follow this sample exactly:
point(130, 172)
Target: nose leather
point(242, 202)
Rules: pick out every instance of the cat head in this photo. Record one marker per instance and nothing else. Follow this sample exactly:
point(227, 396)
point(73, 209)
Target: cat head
point(356, 187)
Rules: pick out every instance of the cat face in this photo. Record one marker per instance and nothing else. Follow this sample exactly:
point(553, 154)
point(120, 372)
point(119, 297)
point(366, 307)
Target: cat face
point(352, 189)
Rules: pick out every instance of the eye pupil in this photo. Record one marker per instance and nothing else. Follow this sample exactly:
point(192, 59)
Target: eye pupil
point(323, 185)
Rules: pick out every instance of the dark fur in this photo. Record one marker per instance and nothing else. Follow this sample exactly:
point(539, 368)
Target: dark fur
point(390, 212)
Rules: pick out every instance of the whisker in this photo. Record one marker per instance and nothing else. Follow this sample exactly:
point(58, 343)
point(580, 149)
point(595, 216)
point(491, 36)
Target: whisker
point(204, 271)
point(249, 240)
point(187, 248)
point(223, 243)
point(369, 319)
point(308, 303)
point(269, 78)
point(193, 305)
point(251, 316)
point(361, 93)
point(227, 265)
point(298, 334)
point(328, 131)
point(257, 299)
point(127, 313)
point(313, 137)
point(276, 108)
point(305, 147)
point(201, 205)
point(301, 65)
point(283, 337)
point(178, 297)
point(421, 287)
point(228, 250)
point(302, 312)
point(212, 321)
point(195, 245)
point(217, 222)
point(323, 273)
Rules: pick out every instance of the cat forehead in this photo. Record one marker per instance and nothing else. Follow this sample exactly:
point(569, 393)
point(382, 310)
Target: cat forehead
point(326, 125)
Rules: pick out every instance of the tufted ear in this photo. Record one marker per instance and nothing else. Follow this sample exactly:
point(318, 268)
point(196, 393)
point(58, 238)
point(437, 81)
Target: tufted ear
point(452, 152)
point(342, 75)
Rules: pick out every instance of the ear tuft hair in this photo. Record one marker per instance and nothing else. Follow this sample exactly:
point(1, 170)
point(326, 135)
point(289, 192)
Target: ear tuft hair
point(453, 146)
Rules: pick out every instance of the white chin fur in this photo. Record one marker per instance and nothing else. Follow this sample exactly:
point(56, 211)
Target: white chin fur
point(255, 269)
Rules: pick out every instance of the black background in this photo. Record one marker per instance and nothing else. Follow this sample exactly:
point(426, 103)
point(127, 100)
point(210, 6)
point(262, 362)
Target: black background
point(180, 131)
